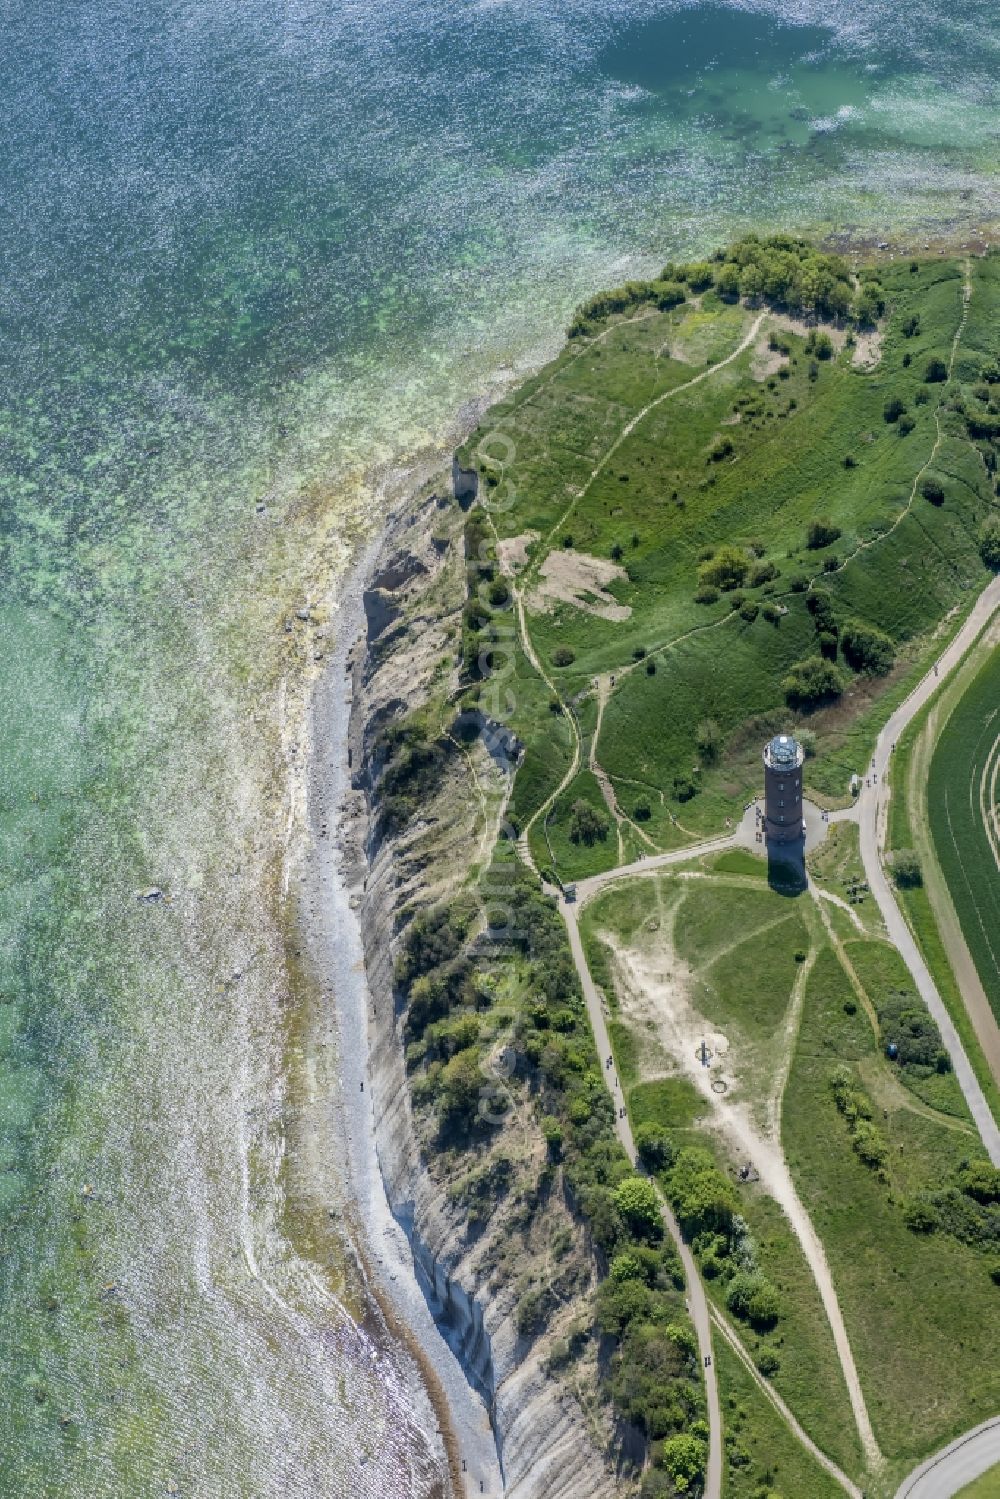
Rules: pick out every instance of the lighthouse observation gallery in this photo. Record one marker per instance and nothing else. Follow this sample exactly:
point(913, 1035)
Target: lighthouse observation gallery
point(783, 757)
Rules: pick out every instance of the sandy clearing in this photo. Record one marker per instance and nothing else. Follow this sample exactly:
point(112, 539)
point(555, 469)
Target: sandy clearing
point(512, 552)
point(577, 578)
point(868, 350)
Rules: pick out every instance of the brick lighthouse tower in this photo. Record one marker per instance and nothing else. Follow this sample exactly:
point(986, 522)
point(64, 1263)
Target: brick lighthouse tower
point(783, 757)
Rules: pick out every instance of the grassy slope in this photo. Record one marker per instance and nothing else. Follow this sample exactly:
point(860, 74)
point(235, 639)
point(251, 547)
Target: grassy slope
point(987, 1487)
point(963, 849)
point(915, 1307)
point(662, 501)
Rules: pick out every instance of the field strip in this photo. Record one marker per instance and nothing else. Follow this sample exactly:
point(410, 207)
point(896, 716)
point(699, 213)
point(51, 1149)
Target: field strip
point(988, 799)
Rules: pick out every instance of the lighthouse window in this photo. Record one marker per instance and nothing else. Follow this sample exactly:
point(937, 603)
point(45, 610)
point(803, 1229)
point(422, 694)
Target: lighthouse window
point(782, 786)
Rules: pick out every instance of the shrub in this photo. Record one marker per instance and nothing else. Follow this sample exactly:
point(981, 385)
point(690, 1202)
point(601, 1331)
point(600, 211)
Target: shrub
point(893, 409)
point(989, 542)
point(727, 569)
point(807, 739)
point(531, 1314)
point(906, 870)
point(821, 533)
point(651, 667)
point(921, 1216)
point(721, 448)
point(771, 613)
point(831, 562)
point(933, 490)
point(869, 1144)
point(936, 372)
point(906, 424)
point(812, 682)
point(911, 326)
point(867, 649)
point(749, 609)
point(762, 573)
point(768, 1362)
point(563, 655)
point(499, 593)
point(706, 595)
point(617, 552)
point(642, 812)
point(588, 824)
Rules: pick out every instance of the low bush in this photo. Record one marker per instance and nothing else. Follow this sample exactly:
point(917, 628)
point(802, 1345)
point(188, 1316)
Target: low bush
point(821, 533)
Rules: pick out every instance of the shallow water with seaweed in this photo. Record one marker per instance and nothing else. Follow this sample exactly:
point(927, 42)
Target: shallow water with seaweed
point(256, 260)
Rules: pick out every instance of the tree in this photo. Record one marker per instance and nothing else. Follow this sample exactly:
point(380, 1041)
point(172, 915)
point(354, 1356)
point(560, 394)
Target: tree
point(563, 655)
point(461, 1087)
point(813, 682)
point(727, 280)
point(684, 1457)
point(702, 1197)
point(893, 409)
point(989, 542)
point(821, 533)
point(933, 490)
point(587, 824)
point(936, 372)
point(866, 648)
point(656, 1151)
point(641, 811)
point(639, 1206)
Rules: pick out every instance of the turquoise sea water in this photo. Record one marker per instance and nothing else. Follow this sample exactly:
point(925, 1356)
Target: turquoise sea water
point(252, 256)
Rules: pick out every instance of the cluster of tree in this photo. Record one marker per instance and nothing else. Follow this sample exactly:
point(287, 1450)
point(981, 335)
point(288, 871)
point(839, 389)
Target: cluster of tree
point(664, 293)
point(855, 1106)
point(968, 1208)
point(587, 823)
point(867, 649)
point(906, 870)
point(793, 274)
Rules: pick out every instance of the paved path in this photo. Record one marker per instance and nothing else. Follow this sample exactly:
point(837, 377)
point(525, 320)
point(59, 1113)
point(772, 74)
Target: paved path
point(949, 1470)
point(697, 1301)
point(870, 811)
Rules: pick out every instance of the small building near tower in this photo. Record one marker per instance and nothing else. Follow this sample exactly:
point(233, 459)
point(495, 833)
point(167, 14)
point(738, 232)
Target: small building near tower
point(783, 757)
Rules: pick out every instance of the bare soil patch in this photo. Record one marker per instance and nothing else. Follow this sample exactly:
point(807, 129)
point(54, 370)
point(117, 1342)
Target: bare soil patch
point(576, 578)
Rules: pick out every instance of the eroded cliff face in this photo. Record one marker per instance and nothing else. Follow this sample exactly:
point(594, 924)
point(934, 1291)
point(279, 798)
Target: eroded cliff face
point(486, 1232)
